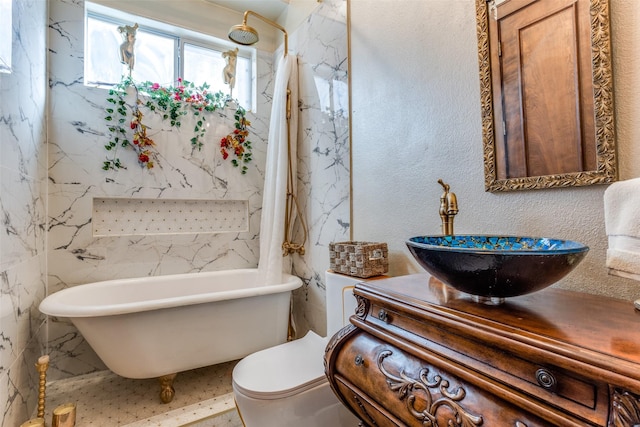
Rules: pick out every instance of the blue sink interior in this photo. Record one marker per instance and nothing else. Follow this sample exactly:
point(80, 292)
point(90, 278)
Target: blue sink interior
point(501, 243)
point(496, 266)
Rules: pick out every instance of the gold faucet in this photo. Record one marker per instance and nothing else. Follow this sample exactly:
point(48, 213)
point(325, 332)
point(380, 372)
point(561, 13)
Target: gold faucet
point(448, 209)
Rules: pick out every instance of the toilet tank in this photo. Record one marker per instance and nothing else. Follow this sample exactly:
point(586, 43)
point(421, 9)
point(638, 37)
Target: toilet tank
point(341, 303)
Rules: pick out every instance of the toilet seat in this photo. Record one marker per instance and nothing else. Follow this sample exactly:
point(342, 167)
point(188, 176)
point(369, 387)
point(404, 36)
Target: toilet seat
point(283, 370)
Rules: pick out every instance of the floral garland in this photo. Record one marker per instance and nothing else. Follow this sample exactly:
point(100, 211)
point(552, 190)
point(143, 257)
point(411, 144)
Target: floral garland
point(172, 103)
point(237, 142)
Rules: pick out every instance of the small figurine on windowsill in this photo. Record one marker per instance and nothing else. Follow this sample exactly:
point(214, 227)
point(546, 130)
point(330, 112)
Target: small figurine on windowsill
point(127, 55)
point(229, 71)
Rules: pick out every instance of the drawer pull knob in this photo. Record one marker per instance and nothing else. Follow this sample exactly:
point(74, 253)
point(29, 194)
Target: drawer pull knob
point(383, 315)
point(546, 379)
point(359, 361)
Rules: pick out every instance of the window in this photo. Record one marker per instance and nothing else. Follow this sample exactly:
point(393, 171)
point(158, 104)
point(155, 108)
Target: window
point(202, 64)
point(161, 55)
point(6, 38)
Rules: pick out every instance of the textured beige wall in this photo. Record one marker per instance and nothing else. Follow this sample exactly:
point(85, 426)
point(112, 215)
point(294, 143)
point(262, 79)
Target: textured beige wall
point(416, 118)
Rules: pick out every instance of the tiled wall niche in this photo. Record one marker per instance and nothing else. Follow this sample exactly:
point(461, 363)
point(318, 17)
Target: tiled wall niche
point(138, 217)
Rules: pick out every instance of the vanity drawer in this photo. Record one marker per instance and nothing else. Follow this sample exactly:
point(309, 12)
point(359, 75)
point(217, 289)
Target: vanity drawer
point(371, 374)
point(563, 388)
point(371, 413)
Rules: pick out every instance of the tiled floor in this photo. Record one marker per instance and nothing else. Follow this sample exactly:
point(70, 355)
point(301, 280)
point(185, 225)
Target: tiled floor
point(203, 398)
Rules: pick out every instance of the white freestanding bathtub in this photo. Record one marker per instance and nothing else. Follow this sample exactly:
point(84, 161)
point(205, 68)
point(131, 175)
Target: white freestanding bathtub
point(158, 326)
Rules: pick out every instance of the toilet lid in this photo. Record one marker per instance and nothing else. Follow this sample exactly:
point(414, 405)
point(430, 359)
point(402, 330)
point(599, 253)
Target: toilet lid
point(282, 370)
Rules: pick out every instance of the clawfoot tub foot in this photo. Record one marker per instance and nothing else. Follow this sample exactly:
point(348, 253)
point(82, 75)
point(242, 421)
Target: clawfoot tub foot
point(166, 388)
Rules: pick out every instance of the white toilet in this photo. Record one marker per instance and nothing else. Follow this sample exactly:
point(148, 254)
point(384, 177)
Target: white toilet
point(285, 386)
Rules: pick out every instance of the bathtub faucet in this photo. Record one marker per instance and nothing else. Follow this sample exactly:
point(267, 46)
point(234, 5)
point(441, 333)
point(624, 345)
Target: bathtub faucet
point(448, 209)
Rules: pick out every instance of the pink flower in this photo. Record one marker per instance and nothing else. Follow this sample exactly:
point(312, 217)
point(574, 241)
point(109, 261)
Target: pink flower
point(155, 86)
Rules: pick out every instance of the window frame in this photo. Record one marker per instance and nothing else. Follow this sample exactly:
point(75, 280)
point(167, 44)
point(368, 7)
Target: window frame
point(6, 36)
point(180, 35)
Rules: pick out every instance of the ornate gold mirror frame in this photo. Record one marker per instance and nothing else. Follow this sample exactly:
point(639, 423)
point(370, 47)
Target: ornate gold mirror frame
point(606, 165)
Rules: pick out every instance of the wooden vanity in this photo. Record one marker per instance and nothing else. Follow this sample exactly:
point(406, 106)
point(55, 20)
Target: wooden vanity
point(419, 353)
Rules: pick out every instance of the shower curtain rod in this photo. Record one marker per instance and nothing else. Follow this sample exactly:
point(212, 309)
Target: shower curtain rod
point(246, 35)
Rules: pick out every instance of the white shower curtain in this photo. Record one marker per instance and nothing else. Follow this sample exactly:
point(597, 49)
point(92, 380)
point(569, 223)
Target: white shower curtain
point(272, 263)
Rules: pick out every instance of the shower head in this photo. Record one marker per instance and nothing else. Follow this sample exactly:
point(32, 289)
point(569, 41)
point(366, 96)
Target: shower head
point(243, 34)
point(246, 35)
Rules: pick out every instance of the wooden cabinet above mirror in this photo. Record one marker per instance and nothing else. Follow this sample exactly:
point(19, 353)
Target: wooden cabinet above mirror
point(546, 93)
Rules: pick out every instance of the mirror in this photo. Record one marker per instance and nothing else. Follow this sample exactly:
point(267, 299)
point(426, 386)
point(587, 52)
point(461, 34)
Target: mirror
point(555, 55)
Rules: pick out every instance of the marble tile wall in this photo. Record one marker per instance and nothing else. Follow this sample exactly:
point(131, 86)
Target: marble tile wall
point(76, 140)
point(23, 184)
point(323, 153)
point(49, 176)
point(77, 135)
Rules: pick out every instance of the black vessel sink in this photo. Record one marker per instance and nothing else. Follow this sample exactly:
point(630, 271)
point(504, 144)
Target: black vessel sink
point(496, 267)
